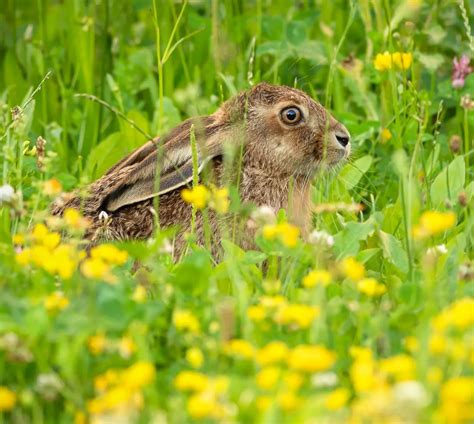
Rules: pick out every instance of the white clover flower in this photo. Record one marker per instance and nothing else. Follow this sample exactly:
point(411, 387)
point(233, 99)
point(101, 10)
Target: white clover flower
point(321, 238)
point(410, 396)
point(7, 193)
point(264, 215)
point(324, 379)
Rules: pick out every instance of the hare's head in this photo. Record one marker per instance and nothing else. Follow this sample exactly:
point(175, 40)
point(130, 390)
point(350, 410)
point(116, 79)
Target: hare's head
point(287, 132)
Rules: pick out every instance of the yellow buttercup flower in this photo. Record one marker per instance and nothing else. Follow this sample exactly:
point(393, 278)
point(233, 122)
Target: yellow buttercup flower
point(383, 61)
point(52, 187)
point(219, 199)
point(272, 353)
point(241, 348)
point(298, 315)
point(433, 222)
point(204, 405)
point(198, 196)
point(287, 233)
point(184, 320)
point(7, 399)
point(110, 254)
point(311, 358)
point(192, 381)
point(195, 357)
point(371, 287)
point(138, 375)
point(457, 400)
point(337, 399)
point(73, 219)
point(288, 401)
point(126, 347)
point(402, 60)
point(96, 268)
point(56, 302)
point(400, 367)
point(256, 312)
point(352, 269)
point(385, 135)
point(96, 344)
point(317, 277)
point(268, 377)
point(139, 294)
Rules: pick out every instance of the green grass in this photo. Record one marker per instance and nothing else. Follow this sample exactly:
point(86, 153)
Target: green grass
point(95, 79)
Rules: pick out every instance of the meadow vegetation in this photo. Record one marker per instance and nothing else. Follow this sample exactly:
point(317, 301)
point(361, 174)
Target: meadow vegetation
point(368, 320)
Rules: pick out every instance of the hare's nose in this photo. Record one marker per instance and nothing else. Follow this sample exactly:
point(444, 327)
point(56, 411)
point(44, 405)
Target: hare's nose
point(343, 139)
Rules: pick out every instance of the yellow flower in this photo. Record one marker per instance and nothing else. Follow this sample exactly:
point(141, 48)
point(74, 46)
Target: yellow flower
point(256, 313)
point(457, 400)
point(272, 353)
point(293, 380)
point(371, 287)
point(96, 268)
point(80, 418)
point(298, 315)
point(268, 377)
point(56, 302)
point(198, 196)
point(317, 277)
point(272, 302)
point(109, 254)
point(385, 135)
point(52, 187)
point(239, 347)
point(192, 381)
point(126, 347)
point(112, 399)
point(7, 399)
point(362, 372)
point(433, 222)
point(311, 358)
point(204, 405)
point(139, 294)
point(337, 399)
point(220, 199)
point(434, 376)
point(140, 374)
point(288, 401)
point(383, 61)
point(352, 269)
point(195, 357)
point(96, 344)
point(437, 344)
point(287, 233)
point(106, 380)
point(184, 320)
point(402, 60)
point(400, 367)
point(18, 239)
point(411, 343)
point(74, 219)
point(459, 314)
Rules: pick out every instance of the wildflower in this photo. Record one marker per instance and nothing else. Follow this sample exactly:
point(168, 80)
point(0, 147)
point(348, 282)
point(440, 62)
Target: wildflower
point(56, 302)
point(293, 380)
point(457, 398)
point(220, 199)
point(455, 143)
point(109, 254)
point(139, 294)
point(263, 215)
point(321, 238)
point(362, 372)
point(402, 60)
point(410, 395)
point(52, 187)
point(433, 222)
point(204, 405)
point(317, 277)
point(96, 268)
point(311, 358)
point(240, 347)
point(74, 219)
point(383, 61)
point(337, 399)
point(434, 376)
point(371, 287)
point(461, 69)
point(268, 377)
point(324, 379)
point(385, 135)
point(272, 353)
point(466, 102)
point(287, 233)
point(7, 194)
point(140, 374)
point(437, 344)
point(49, 386)
point(400, 367)
point(96, 344)
point(352, 269)
point(7, 399)
point(459, 314)
point(297, 315)
point(411, 343)
point(195, 357)
point(198, 196)
point(192, 381)
point(256, 313)
point(288, 401)
point(18, 239)
point(106, 380)
point(126, 347)
point(184, 320)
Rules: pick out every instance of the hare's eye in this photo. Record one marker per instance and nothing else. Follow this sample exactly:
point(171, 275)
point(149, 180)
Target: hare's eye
point(291, 115)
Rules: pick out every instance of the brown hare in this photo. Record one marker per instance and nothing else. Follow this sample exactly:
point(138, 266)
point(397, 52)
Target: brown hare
point(280, 134)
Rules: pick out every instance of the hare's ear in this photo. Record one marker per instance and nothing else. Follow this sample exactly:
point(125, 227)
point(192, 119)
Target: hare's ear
point(136, 175)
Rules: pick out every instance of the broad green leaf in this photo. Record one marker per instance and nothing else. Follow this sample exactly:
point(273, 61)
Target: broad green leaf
point(347, 241)
point(393, 251)
point(449, 182)
point(352, 173)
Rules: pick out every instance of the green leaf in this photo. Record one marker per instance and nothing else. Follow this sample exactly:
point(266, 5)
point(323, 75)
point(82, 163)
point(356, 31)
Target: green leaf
point(352, 173)
point(347, 241)
point(449, 182)
point(393, 251)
